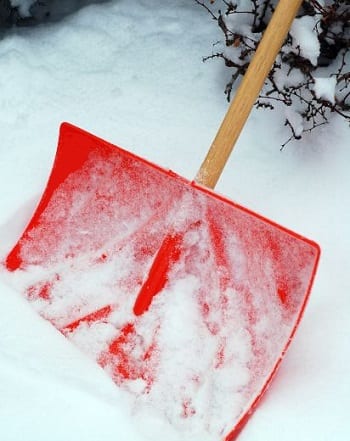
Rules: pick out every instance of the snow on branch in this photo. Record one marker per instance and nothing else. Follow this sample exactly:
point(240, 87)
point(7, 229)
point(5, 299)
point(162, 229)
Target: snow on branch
point(310, 78)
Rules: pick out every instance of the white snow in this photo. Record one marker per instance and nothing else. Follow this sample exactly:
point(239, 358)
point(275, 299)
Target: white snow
point(325, 88)
point(296, 120)
point(23, 6)
point(135, 77)
point(303, 31)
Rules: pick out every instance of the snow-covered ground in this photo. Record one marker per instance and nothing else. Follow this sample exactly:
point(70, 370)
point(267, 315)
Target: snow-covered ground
point(131, 72)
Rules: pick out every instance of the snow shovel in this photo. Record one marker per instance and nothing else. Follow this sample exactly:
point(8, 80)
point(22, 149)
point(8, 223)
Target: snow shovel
point(187, 299)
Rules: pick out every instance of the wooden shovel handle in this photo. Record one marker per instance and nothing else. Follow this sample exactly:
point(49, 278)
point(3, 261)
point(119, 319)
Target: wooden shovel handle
point(247, 93)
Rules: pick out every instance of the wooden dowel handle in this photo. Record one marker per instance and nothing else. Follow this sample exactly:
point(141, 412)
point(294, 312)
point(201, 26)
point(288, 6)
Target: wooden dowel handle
point(247, 93)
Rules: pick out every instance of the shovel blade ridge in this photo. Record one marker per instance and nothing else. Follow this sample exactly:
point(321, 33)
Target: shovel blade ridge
point(229, 296)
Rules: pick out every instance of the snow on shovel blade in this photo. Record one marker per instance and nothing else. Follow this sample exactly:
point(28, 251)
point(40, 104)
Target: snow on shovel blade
point(207, 345)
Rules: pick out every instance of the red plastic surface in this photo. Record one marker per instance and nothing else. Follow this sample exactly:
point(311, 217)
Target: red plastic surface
point(168, 211)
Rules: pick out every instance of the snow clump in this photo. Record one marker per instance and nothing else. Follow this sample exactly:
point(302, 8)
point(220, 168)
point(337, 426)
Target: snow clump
point(23, 6)
point(305, 38)
point(324, 88)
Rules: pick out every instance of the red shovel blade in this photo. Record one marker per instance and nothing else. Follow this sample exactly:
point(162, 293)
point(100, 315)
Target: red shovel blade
point(231, 286)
